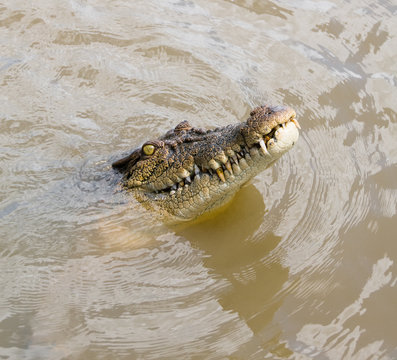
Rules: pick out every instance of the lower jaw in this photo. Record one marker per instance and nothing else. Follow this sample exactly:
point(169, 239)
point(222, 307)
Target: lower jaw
point(202, 197)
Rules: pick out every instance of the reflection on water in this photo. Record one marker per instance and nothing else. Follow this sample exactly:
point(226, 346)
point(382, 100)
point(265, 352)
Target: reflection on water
point(235, 250)
point(318, 336)
point(300, 265)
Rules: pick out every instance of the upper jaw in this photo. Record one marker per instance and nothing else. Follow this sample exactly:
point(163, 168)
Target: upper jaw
point(221, 150)
point(263, 120)
point(234, 160)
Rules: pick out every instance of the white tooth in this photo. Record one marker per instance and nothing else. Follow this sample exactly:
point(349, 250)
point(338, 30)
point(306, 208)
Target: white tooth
point(174, 187)
point(183, 173)
point(254, 152)
point(196, 169)
point(236, 169)
point(214, 164)
point(263, 147)
point(248, 159)
point(228, 175)
point(283, 125)
point(229, 167)
point(296, 123)
point(172, 192)
point(243, 164)
point(222, 157)
point(188, 179)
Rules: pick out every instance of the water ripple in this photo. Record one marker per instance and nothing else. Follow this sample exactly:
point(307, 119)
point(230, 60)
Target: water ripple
point(298, 265)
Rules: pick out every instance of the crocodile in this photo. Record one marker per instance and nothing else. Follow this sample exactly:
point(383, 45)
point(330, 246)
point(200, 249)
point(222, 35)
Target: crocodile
point(191, 171)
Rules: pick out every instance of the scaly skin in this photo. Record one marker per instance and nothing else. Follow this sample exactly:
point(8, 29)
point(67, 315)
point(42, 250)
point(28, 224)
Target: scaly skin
point(190, 171)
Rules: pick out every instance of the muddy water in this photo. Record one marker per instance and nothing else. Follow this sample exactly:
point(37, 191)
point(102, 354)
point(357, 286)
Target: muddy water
point(301, 265)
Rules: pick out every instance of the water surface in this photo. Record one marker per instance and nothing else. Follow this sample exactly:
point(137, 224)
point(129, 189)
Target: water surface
point(300, 265)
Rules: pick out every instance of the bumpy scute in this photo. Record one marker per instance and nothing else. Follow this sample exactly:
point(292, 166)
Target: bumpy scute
point(189, 171)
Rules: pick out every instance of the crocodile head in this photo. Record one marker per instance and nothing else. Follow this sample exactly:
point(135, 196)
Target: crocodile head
point(190, 171)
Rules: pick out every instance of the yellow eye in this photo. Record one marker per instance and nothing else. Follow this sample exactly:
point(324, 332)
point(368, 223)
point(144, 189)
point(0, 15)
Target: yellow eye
point(148, 149)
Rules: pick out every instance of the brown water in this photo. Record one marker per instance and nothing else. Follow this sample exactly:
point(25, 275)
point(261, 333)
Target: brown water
point(299, 266)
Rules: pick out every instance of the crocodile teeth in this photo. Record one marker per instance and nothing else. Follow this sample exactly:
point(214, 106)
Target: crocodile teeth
point(230, 153)
point(183, 173)
point(222, 158)
point(243, 164)
point(220, 173)
point(248, 158)
point(296, 123)
point(263, 147)
point(229, 167)
point(188, 180)
point(254, 152)
point(236, 169)
point(214, 164)
point(196, 169)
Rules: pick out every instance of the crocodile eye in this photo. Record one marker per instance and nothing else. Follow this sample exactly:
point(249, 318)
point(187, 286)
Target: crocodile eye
point(148, 149)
